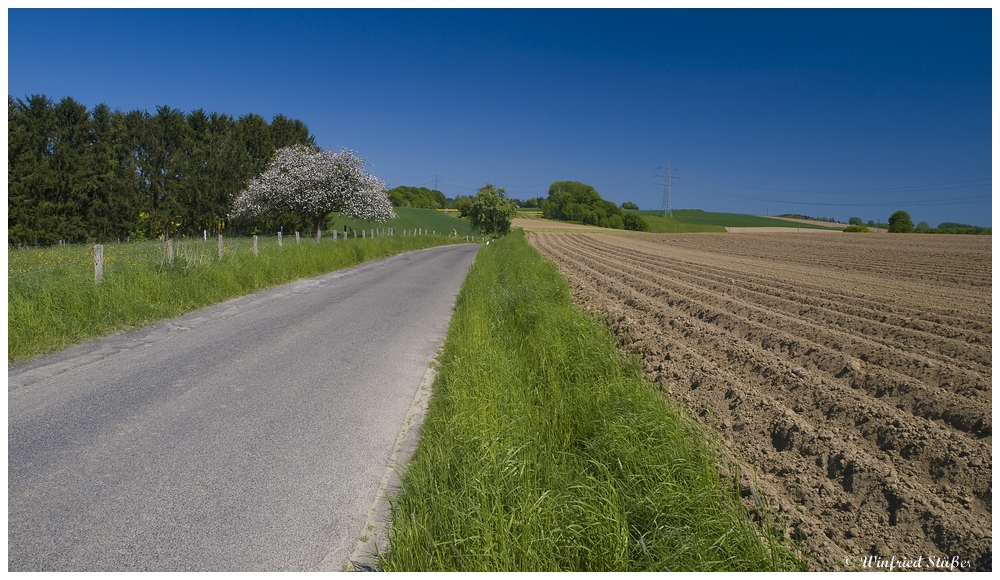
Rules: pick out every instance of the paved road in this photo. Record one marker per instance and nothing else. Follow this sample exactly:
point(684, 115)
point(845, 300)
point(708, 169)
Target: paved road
point(250, 435)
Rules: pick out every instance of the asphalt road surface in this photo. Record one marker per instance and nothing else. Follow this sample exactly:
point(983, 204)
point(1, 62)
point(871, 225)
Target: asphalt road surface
point(250, 435)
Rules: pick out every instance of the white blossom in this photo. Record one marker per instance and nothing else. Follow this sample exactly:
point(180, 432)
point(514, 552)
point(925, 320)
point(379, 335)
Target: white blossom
point(314, 183)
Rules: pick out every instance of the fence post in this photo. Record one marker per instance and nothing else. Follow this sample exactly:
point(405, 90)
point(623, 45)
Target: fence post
point(170, 252)
point(335, 235)
point(255, 245)
point(279, 239)
point(204, 235)
point(220, 246)
point(296, 237)
point(98, 262)
point(362, 234)
point(319, 235)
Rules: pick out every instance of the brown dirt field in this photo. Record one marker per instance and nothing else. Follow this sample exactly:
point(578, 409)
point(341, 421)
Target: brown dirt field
point(777, 230)
point(849, 377)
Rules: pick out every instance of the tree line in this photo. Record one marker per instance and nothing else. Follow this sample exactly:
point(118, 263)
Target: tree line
point(578, 202)
point(76, 174)
point(901, 222)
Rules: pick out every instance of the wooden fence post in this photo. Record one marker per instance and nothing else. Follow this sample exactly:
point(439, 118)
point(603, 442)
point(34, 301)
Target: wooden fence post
point(255, 245)
point(335, 235)
point(319, 235)
point(98, 262)
point(220, 246)
point(279, 239)
point(296, 237)
point(170, 252)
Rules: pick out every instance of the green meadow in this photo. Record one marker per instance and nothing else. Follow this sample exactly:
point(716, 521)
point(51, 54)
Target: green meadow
point(543, 449)
point(53, 300)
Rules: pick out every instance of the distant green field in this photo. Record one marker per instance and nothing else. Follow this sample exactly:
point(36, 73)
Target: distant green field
point(694, 220)
point(659, 224)
point(408, 219)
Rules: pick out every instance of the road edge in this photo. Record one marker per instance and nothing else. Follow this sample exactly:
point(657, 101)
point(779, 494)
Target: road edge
point(373, 538)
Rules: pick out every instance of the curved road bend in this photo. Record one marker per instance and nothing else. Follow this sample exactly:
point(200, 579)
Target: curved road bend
point(250, 435)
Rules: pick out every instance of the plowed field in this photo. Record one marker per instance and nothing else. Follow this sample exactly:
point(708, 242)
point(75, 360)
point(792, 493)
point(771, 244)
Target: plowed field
point(849, 376)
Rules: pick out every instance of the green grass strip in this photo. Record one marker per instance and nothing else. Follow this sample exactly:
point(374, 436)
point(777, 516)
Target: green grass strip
point(543, 449)
point(53, 300)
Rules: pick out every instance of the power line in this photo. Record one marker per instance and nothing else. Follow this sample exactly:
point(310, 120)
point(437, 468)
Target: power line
point(972, 183)
point(923, 202)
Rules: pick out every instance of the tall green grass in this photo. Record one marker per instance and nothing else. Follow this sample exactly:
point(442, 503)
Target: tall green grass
point(53, 300)
point(543, 449)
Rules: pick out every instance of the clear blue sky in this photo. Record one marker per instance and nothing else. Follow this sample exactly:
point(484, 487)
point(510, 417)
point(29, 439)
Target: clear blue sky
point(832, 113)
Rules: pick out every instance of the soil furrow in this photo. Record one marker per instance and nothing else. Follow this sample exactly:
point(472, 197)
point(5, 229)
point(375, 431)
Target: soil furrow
point(860, 279)
point(861, 294)
point(953, 343)
point(818, 347)
point(857, 468)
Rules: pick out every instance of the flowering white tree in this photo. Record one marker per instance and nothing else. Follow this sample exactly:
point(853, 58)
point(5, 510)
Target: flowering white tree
point(314, 183)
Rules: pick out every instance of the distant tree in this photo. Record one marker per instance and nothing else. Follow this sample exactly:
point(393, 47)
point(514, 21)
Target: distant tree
point(871, 223)
point(492, 212)
point(857, 229)
point(923, 227)
point(531, 202)
point(855, 221)
point(313, 184)
point(635, 222)
point(957, 228)
point(578, 202)
point(629, 205)
point(463, 204)
point(421, 197)
point(900, 222)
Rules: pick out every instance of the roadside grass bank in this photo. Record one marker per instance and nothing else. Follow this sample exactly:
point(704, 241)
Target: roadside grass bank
point(408, 218)
point(53, 300)
point(544, 449)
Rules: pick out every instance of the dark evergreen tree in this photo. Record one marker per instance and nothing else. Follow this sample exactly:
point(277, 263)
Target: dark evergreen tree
point(286, 132)
point(75, 174)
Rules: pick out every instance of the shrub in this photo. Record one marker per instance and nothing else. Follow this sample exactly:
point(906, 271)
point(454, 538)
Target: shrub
point(857, 229)
point(900, 222)
point(634, 222)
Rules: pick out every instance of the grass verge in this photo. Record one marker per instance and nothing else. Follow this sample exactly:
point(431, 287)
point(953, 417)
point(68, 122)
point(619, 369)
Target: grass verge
point(543, 449)
point(53, 301)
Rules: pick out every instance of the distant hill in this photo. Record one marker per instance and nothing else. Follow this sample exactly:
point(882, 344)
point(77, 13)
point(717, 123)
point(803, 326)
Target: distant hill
point(696, 220)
